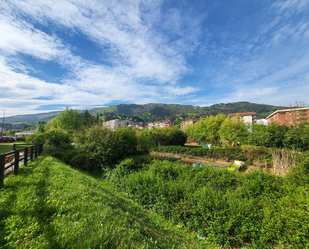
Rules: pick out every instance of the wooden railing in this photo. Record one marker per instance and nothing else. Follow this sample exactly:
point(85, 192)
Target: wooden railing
point(11, 159)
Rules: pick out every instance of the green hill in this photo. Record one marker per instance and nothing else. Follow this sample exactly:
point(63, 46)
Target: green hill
point(177, 113)
point(151, 112)
point(50, 205)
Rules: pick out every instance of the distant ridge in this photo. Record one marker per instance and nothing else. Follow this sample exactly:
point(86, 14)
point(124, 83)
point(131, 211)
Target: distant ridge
point(154, 111)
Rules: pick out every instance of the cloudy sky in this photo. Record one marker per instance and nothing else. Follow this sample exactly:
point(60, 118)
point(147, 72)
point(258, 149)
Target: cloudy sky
point(84, 54)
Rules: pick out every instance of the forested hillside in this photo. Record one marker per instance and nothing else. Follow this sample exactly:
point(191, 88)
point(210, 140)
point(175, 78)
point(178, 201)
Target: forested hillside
point(177, 113)
point(151, 112)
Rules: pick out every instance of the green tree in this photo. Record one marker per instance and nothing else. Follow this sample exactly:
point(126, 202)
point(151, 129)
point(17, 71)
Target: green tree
point(12, 132)
point(87, 119)
point(52, 125)
point(69, 119)
point(232, 128)
point(207, 129)
point(102, 146)
point(276, 133)
point(41, 127)
point(128, 141)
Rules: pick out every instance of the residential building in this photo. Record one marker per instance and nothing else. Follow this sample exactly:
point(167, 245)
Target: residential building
point(160, 124)
point(290, 116)
point(248, 117)
point(118, 123)
point(189, 121)
point(24, 133)
point(262, 121)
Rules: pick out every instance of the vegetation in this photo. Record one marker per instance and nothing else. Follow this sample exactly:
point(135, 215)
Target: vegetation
point(7, 147)
point(246, 154)
point(50, 205)
point(150, 112)
point(279, 136)
point(228, 208)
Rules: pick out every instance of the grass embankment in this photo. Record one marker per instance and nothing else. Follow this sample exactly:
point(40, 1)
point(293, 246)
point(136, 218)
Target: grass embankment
point(7, 147)
point(50, 205)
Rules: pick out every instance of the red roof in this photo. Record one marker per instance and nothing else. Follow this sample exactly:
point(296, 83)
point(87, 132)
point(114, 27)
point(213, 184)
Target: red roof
point(241, 113)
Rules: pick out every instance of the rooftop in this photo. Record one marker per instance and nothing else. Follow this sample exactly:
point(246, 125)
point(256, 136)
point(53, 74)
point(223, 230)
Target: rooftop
point(241, 114)
point(289, 110)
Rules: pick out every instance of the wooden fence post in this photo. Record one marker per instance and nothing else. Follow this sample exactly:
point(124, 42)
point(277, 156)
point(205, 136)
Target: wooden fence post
point(36, 151)
point(32, 150)
point(26, 156)
point(16, 163)
point(2, 165)
point(14, 146)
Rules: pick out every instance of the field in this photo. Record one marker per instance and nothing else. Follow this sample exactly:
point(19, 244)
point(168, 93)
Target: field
point(7, 147)
point(50, 205)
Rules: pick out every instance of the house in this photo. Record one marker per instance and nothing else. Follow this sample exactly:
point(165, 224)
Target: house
point(160, 124)
point(290, 116)
point(24, 133)
point(189, 121)
point(248, 117)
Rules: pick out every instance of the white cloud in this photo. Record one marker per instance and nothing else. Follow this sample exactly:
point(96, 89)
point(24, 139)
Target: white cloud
point(143, 61)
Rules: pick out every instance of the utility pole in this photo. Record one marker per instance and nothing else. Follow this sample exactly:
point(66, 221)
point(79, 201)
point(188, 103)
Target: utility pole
point(2, 123)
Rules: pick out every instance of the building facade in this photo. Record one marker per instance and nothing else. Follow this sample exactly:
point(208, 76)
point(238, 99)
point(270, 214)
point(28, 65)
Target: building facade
point(118, 123)
point(291, 116)
point(160, 124)
point(189, 121)
point(248, 117)
point(24, 133)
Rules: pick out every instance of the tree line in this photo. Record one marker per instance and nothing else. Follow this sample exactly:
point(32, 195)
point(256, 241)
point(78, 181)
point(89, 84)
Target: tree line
point(235, 131)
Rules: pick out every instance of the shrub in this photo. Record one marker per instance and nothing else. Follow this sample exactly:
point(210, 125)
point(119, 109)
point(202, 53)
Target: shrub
point(101, 146)
point(119, 175)
point(230, 209)
point(163, 137)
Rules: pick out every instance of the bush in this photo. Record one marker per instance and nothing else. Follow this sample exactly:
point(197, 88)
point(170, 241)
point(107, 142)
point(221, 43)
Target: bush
point(21, 139)
point(228, 208)
point(128, 141)
point(119, 175)
point(163, 137)
point(100, 145)
point(245, 153)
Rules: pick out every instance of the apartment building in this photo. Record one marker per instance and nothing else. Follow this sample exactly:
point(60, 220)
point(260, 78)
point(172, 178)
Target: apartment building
point(290, 116)
point(189, 121)
point(248, 117)
point(118, 123)
point(160, 124)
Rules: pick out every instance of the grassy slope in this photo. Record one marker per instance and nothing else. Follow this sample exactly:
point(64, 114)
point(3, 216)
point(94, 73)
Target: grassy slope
point(50, 205)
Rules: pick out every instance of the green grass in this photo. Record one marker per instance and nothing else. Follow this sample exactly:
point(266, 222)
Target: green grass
point(50, 205)
point(7, 147)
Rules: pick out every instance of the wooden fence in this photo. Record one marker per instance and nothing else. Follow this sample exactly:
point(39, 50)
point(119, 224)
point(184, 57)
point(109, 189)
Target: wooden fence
point(12, 158)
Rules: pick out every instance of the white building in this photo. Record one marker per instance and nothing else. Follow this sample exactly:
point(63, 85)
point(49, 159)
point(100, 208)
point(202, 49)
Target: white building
point(248, 117)
point(160, 124)
point(24, 133)
point(118, 123)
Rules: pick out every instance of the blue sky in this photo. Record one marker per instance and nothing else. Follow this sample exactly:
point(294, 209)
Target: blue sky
point(85, 54)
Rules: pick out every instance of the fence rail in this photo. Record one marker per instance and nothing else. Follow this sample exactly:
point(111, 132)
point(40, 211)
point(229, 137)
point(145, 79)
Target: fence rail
point(13, 158)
